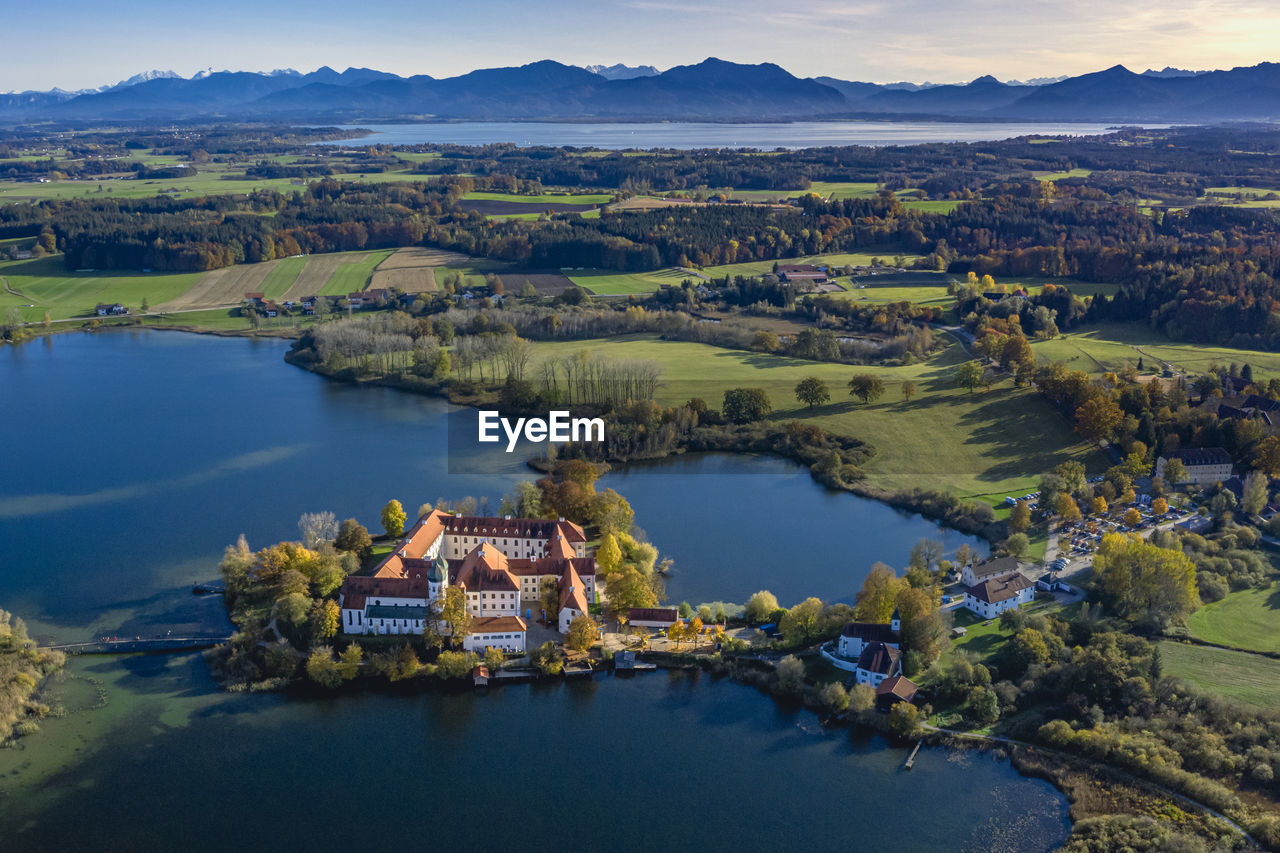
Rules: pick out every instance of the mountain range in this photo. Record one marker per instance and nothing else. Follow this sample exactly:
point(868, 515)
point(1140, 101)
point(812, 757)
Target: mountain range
point(710, 90)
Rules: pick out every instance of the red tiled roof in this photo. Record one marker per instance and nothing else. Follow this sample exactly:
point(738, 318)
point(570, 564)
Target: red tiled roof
point(495, 624)
point(484, 569)
point(572, 591)
point(899, 686)
point(356, 589)
point(995, 590)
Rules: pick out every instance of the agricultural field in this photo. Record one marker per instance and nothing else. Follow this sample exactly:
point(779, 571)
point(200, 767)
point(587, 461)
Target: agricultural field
point(945, 438)
point(1110, 346)
point(1252, 679)
point(45, 285)
point(1248, 619)
point(1243, 196)
point(844, 259)
point(1062, 176)
point(411, 269)
point(610, 283)
point(543, 198)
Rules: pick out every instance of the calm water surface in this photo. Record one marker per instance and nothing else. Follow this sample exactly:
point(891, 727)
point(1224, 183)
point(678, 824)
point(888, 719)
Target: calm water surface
point(685, 135)
point(129, 459)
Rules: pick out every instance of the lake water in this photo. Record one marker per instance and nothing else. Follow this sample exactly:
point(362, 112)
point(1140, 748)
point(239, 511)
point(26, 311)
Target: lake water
point(686, 135)
point(128, 459)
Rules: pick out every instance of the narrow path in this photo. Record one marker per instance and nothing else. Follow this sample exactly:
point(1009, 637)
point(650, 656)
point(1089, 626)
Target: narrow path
point(17, 293)
point(1136, 779)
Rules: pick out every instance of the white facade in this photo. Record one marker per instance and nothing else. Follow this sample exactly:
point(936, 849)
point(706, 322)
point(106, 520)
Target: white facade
point(987, 609)
point(507, 640)
point(1199, 475)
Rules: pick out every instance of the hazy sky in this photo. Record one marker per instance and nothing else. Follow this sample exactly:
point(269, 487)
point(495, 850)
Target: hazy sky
point(83, 43)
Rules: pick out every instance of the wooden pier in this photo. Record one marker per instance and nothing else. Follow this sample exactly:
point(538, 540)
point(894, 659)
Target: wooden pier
point(130, 645)
point(911, 759)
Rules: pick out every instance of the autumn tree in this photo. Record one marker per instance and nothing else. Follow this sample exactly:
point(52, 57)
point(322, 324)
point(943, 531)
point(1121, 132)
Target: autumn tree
point(904, 720)
point(866, 387)
point(799, 625)
point(923, 630)
point(745, 405)
point(393, 518)
point(353, 537)
point(1144, 582)
point(878, 596)
point(812, 391)
point(1159, 506)
point(1020, 517)
point(454, 613)
point(862, 697)
point(760, 607)
point(349, 661)
point(1098, 506)
point(322, 668)
point(908, 390)
point(790, 675)
point(1175, 472)
point(582, 633)
point(1257, 489)
point(1132, 517)
point(1067, 509)
point(608, 555)
point(1098, 417)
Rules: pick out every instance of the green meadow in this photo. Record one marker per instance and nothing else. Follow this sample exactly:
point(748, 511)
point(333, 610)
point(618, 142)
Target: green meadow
point(1251, 679)
point(543, 198)
point(945, 438)
point(1248, 619)
point(1110, 346)
point(46, 285)
point(609, 283)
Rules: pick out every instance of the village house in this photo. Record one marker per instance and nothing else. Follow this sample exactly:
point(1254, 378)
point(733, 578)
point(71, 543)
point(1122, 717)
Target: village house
point(972, 575)
point(502, 564)
point(857, 635)
point(995, 595)
point(1204, 465)
point(113, 309)
point(877, 662)
point(893, 690)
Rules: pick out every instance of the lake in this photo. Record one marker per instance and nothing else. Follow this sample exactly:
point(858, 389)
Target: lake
point(130, 458)
point(685, 135)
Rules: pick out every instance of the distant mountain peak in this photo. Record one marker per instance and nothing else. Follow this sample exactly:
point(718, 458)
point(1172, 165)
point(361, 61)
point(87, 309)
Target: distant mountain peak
point(622, 72)
point(985, 80)
point(1170, 71)
point(144, 77)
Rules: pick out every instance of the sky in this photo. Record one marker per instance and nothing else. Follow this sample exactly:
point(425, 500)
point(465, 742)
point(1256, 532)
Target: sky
point(89, 43)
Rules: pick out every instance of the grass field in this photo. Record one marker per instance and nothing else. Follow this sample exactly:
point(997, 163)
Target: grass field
point(45, 285)
point(838, 259)
point(1251, 679)
point(1111, 346)
point(1248, 619)
point(282, 276)
point(970, 444)
point(1059, 176)
point(609, 283)
point(544, 198)
point(48, 286)
point(354, 275)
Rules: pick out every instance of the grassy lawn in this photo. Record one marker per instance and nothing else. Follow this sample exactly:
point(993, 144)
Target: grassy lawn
point(609, 283)
point(841, 260)
point(1110, 346)
point(352, 276)
point(945, 438)
point(282, 277)
point(1249, 678)
point(50, 287)
point(1059, 176)
point(544, 198)
point(940, 205)
point(1248, 619)
point(219, 318)
point(980, 639)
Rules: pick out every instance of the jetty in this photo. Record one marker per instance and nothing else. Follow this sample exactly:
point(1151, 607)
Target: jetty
point(129, 645)
point(911, 759)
